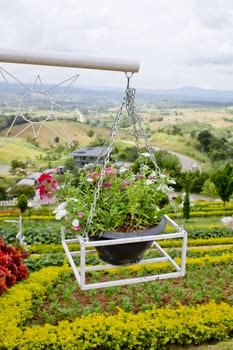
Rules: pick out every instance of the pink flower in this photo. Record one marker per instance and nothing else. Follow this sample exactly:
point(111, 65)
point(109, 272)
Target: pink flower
point(80, 214)
point(126, 183)
point(110, 171)
point(77, 228)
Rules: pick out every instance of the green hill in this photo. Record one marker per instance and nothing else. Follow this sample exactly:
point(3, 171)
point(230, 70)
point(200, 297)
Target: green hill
point(17, 149)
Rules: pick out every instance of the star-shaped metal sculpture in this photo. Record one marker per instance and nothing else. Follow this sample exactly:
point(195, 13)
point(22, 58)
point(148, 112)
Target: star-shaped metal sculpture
point(26, 105)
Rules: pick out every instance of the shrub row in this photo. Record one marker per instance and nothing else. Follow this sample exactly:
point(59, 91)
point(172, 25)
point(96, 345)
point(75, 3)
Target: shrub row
point(211, 205)
point(41, 248)
point(193, 213)
point(152, 329)
point(203, 213)
point(54, 255)
point(49, 232)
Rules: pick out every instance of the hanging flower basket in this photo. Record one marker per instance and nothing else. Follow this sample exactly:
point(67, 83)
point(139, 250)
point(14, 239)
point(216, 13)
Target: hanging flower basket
point(129, 205)
point(127, 253)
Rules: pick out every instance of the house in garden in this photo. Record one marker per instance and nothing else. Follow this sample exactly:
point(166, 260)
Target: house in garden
point(89, 155)
point(30, 180)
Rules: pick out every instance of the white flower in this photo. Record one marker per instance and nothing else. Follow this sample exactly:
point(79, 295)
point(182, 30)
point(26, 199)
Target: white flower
point(123, 170)
point(149, 182)
point(75, 223)
point(172, 181)
point(60, 211)
point(146, 154)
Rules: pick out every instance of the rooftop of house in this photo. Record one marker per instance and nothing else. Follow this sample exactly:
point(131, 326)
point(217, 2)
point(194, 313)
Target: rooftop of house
point(91, 151)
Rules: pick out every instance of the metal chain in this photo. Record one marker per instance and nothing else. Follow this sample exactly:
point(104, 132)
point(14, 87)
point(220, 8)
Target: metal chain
point(130, 108)
point(137, 120)
point(106, 160)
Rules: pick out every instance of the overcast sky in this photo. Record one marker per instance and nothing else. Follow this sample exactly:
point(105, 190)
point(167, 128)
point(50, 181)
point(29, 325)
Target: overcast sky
point(178, 42)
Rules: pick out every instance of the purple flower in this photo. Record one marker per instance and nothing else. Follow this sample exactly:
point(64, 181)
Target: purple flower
point(106, 185)
point(139, 177)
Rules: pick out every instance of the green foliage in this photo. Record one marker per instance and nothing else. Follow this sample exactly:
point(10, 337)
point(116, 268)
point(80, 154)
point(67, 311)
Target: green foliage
point(27, 190)
point(206, 139)
point(90, 133)
point(218, 149)
point(36, 263)
point(197, 179)
point(223, 181)
point(209, 189)
point(128, 154)
point(166, 162)
point(186, 206)
point(98, 141)
point(126, 202)
point(154, 328)
point(3, 192)
point(70, 165)
point(22, 203)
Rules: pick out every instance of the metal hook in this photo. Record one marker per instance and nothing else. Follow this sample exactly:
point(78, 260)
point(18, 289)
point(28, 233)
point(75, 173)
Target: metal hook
point(128, 76)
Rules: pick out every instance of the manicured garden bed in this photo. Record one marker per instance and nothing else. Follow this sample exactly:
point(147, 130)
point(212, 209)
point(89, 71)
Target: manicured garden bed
point(49, 311)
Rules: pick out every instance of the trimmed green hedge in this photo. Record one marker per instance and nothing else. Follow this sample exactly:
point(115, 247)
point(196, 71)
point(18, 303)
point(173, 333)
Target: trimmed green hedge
point(152, 329)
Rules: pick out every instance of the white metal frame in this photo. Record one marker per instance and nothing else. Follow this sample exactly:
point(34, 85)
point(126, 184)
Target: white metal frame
point(73, 60)
point(20, 237)
point(85, 245)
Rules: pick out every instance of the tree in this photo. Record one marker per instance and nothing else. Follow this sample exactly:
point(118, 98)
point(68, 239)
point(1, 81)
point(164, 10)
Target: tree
point(206, 139)
point(168, 161)
point(27, 190)
point(56, 139)
point(209, 189)
point(223, 181)
point(90, 133)
point(2, 192)
point(22, 203)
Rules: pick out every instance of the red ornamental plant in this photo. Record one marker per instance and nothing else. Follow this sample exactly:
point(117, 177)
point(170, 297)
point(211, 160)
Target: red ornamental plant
point(12, 268)
point(46, 185)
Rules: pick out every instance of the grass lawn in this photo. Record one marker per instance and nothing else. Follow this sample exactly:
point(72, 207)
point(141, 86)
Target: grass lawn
point(17, 149)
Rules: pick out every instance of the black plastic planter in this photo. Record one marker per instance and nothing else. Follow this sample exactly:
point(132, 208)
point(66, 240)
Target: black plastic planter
point(129, 253)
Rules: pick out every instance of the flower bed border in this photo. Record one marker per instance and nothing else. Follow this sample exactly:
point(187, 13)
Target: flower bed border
point(157, 328)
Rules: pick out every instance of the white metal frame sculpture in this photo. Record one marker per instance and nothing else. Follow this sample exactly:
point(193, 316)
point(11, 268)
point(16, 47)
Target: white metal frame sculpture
point(17, 104)
point(50, 59)
point(82, 269)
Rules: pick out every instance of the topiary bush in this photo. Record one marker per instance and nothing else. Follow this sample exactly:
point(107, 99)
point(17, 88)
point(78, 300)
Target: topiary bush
point(12, 268)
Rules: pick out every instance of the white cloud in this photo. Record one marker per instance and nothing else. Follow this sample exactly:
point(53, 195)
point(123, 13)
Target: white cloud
point(179, 42)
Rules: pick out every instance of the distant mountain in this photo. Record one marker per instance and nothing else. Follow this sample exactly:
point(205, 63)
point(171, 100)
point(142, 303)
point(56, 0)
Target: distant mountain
point(114, 95)
point(191, 94)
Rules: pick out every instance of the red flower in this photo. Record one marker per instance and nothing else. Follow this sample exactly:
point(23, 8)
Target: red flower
point(12, 268)
point(46, 185)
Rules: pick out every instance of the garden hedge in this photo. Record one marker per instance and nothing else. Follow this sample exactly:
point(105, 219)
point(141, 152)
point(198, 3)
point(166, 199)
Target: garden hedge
point(151, 329)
